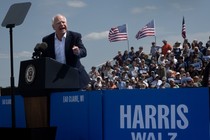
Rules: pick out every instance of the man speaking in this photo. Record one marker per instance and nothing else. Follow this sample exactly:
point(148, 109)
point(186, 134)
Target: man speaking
point(66, 47)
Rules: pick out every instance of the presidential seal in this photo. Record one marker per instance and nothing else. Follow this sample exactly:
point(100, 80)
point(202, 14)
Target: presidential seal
point(30, 74)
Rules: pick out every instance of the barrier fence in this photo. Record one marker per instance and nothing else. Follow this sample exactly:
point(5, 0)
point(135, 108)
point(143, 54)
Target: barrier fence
point(149, 114)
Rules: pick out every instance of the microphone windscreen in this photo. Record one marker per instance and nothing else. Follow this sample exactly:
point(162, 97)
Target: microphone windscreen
point(36, 48)
point(43, 46)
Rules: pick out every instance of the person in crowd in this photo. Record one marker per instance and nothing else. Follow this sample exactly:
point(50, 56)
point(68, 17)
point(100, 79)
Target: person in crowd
point(161, 70)
point(166, 47)
point(197, 81)
point(111, 84)
point(181, 63)
point(173, 84)
point(125, 55)
point(178, 79)
point(190, 83)
point(132, 54)
point(66, 47)
point(201, 47)
point(156, 83)
point(93, 74)
point(140, 53)
point(208, 43)
point(119, 58)
point(165, 84)
point(186, 41)
point(121, 83)
point(189, 70)
point(177, 49)
point(155, 51)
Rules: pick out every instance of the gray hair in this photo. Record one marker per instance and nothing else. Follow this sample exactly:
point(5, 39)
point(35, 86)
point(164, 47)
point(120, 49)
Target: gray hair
point(53, 18)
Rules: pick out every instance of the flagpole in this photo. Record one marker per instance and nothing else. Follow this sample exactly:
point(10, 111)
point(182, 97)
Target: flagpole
point(155, 32)
point(127, 38)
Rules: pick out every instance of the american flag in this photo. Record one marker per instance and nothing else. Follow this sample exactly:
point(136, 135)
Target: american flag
point(183, 29)
point(147, 30)
point(118, 33)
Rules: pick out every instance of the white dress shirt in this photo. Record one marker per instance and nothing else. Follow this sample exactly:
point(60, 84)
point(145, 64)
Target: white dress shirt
point(60, 49)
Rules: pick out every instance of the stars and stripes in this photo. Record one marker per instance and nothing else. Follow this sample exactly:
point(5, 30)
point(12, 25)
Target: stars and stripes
point(183, 29)
point(147, 30)
point(118, 33)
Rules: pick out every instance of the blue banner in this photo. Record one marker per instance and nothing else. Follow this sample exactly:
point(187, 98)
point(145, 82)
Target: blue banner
point(77, 115)
point(6, 112)
point(163, 114)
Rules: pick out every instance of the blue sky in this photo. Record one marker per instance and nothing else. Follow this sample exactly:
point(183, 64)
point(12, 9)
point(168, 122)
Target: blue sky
point(93, 19)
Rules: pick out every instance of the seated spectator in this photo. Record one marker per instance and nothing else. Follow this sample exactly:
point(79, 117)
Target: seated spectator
point(173, 84)
point(111, 84)
point(93, 74)
point(164, 84)
point(190, 83)
point(178, 78)
point(156, 83)
point(98, 84)
point(197, 81)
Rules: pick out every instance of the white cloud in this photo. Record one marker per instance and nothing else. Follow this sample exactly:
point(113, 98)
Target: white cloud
point(23, 54)
point(182, 7)
point(139, 10)
point(76, 3)
point(96, 36)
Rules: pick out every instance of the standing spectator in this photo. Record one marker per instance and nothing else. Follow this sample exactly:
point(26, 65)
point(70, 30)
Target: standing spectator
point(208, 43)
point(186, 42)
point(201, 47)
point(140, 53)
point(132, 54)
point(125, 55)
point(119, 58)
point(166, 47)
point(155, 51)
point(177, 50)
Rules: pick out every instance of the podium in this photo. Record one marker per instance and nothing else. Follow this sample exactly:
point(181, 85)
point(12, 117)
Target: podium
point(37, 79)
point(47, 74)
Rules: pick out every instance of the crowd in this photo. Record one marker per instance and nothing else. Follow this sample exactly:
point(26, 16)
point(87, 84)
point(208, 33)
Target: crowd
point(180, 65)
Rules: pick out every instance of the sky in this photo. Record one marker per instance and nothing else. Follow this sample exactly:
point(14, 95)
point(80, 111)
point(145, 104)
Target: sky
point(93, 19)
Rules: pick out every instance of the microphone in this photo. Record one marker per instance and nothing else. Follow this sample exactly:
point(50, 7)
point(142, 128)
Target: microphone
point(40, 46)
point(43, 46)
point(36, 48)
point(39, 49)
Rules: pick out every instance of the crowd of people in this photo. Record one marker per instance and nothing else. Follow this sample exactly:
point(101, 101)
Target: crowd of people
point(180, 65)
